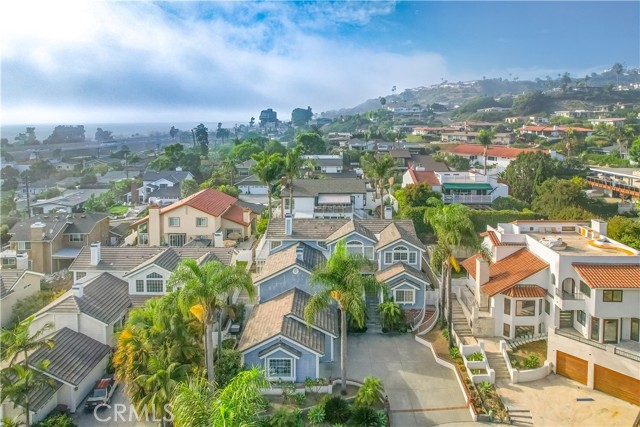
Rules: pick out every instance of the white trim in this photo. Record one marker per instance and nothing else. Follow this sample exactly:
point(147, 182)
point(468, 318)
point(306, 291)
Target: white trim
point(413, 293)
point(292, 377)
point(405, 283)
point(348, 235)
point(276, 350)
point(283, 338)
point(291, 267)
point(400, 240)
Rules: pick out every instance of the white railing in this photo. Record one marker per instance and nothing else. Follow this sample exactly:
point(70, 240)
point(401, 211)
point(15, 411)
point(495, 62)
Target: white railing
point(466, 198)
point(428, 325)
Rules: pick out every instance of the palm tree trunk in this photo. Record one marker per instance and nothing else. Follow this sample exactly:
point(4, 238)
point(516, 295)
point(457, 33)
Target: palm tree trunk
point(27, 414)
point(291, 198)
point(343, 351)
point(219, 335)
point(485, 161)
point(269, 197)
point(208, 344)
point(381, 200)
point(449, 306)
point(442, 295)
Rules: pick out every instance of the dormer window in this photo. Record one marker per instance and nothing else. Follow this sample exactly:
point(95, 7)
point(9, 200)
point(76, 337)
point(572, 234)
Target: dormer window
point(358, 248)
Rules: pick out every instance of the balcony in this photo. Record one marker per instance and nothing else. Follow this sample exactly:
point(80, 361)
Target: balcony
point(627, 349)
point(611, 185)
point(333, 211)
point(468, 199)
point(569, 301)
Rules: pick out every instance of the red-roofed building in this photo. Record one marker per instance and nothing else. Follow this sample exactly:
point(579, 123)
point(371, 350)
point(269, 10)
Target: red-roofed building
point(498, 156)
point(208, 215)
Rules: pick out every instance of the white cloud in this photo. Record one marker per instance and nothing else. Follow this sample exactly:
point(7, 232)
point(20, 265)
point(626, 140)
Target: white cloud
point(115, 61)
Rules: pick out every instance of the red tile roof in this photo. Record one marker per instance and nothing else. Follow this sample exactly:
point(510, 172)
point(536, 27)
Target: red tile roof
point(507, 272)
point(493, 150)
point(235, 214)
point(525, 291)
point(613, 276)
point(424, 177)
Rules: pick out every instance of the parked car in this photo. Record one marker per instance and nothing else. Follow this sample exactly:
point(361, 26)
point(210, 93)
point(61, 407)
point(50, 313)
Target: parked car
point(101, 393)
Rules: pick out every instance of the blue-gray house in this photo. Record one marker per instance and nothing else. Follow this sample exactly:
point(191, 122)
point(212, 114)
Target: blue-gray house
point(277, 339)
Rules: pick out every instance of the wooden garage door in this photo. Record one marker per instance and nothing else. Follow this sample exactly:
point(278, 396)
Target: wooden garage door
point(571, 367)
point(617, 384)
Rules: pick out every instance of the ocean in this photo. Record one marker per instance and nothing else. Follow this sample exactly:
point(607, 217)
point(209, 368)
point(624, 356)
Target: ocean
point(119, 130)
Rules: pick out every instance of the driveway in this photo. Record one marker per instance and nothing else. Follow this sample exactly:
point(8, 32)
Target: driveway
point(421, 392)
point(118, 414)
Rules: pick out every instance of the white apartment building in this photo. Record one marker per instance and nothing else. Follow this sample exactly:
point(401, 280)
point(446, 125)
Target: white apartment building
point(567, 279)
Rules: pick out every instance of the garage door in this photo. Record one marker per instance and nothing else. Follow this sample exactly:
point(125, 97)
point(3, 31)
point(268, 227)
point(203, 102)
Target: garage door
point(617, 384)
point(571, 367)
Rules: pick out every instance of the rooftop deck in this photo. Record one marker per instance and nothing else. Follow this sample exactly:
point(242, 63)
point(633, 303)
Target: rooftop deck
point(576, 244)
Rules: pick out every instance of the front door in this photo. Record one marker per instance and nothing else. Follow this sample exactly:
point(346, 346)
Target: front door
point(611, 331)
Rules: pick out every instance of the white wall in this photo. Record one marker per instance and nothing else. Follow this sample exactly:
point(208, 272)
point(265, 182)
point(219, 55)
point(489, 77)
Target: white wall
point(303, 207)
point(93, 328)
point(86, 385)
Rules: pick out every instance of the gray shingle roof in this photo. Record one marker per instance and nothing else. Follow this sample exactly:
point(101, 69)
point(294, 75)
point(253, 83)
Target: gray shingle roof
point(282, 260)
point(38, 397)
point(314, 187)
point(114, 258)
point(73, 356)
point(278, 346)
point(282, 316)
point(56, 223)
point(169, 258)
point(393, 272)
point(348, 228)
point(104, 298)
point(304, 229)
point(173, 176)
point(8, 279)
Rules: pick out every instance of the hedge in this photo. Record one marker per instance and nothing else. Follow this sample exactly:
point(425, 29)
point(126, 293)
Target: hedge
point(483, 218)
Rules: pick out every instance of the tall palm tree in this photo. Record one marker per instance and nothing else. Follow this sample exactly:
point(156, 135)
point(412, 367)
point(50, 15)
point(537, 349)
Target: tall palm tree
point(19, 379)
point(204, 289)
point(485, 138)
point(454, 229)
point(380, 169)
point(268, 168)
point(194, 404)
point(228, 165)
point(293, 163)
point(340, 281)
point(617, 68)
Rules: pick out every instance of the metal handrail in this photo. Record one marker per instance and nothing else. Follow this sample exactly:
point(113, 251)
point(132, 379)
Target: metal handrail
point(569, 296)
point(628, 355)
point(581, 339)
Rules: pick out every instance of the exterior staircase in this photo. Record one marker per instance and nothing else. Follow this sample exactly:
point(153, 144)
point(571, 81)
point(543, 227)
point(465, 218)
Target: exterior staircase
point(373, 315)
point(459, 323)
point(520, 417)
point(497, 363)
point(566, 319)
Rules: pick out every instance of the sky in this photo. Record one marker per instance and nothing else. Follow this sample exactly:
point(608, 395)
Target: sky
point(69, 62)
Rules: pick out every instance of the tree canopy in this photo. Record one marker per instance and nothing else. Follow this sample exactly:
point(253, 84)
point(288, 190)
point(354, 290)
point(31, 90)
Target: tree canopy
point(311, 142)
point(528, 171)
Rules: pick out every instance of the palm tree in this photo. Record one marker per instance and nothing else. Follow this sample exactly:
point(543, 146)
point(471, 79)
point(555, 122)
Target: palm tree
point(19, 379)
point(454, 229)
point(378, 168)
point(204, 289)
point(570, 141)
point(370, 392)
point(268, 168)
point(340, 281)
point(617, 68)
point(293, 163)
point(228, 165)
point(194, 404)
point(485, 138)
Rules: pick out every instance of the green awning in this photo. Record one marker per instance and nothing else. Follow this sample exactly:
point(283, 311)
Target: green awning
point(466, 186)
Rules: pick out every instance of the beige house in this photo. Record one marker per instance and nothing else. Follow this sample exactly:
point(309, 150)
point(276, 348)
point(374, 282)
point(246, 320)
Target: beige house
point(52, 241)
point(209, 215)
point(16, 285)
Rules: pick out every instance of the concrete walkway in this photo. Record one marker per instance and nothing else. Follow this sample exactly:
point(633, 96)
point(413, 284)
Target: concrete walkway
point(421, 392)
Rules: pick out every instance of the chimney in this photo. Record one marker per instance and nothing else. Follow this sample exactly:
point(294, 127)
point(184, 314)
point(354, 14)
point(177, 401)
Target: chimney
point(153, 225)
point(77, 290)
point(299, 252)
point(37, 231)
point(246, 215)
point(95, 253)
point(22, 261)
point(599, 226)
point(388, 212)
point(482, 277)
point(218, 240)
point(178, 169)
point(288, 224)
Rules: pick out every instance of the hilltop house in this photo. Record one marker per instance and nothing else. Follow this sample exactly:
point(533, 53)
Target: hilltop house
point(569, 280)
point(208, 214)
point(51, 242)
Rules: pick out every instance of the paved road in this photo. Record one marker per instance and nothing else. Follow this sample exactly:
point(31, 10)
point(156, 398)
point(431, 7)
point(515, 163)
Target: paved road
point(421, 392)
point(108, 417)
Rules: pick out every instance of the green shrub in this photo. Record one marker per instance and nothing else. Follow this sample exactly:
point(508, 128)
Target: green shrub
point(509, 203)
point(445, 334)
point(365, 416)
point(228, 366)
point(228, 343)
point(484, 387)
point(475, 357)
point(59, 420)
point(299, 398)
point(391, 315)
point(237, 312)
point(316, 415)
point(454, 352)
point(483, 218)
point(370, 392)
point(285, 418)
point(531, 362)
point(337, 410)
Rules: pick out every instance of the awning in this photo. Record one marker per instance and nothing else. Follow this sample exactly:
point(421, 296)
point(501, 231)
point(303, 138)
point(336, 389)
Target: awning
point(334, 199)
point(67, 253)
point(466, 186)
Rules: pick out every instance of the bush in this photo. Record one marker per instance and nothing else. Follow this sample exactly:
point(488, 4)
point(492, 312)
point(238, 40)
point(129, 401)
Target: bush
point(445, 334)
point(531, 362)
point(59, 420)
point(370, 392)
point(475, 357)
point(285, 418)
point(483, 218)
point(299, 398)
point(365, 416)
point(454, 352)
point(353, 327)
point(391, 315)
point(337, 410)
point(316, 415)
point(484, 387)
point(237, 312)
point(227, 367)
point(25, 307)
point(228, 343)
point(509, 203)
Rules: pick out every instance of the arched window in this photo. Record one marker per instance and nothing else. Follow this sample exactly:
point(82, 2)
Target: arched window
point(155, 283)
point(402, 254)
point(569, 285)
point(358, 248)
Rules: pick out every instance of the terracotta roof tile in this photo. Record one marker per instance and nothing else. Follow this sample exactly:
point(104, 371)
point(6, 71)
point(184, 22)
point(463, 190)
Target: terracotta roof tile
point(607, 276)
point(424, 177)
point(235, 214)
point(525, 291)
point(507, 272)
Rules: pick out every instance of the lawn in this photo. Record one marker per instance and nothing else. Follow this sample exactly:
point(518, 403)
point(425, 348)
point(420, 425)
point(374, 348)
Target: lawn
point(118, 210)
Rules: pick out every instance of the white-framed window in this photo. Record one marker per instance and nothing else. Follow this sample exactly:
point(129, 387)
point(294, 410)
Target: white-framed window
point(155, 283)
point(275, 244)
point(358, 248)
point(75, 237)
point(23, 246)
point(404, 296)
point(174, 221)
point(413, 258)
point(8, 261)
point(388, 257)
point(402, 254)
point(140, 285)
point(280, 368)
point(201, 222)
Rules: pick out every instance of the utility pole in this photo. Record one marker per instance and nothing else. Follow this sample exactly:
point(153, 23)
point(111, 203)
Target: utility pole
point(26, 180)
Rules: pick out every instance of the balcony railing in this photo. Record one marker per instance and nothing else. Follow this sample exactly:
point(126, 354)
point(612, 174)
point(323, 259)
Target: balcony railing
point(333, 209)
point(614, 185)
point(569, 296)
point(581, 339)
point(467, 199)
point(627, 354)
